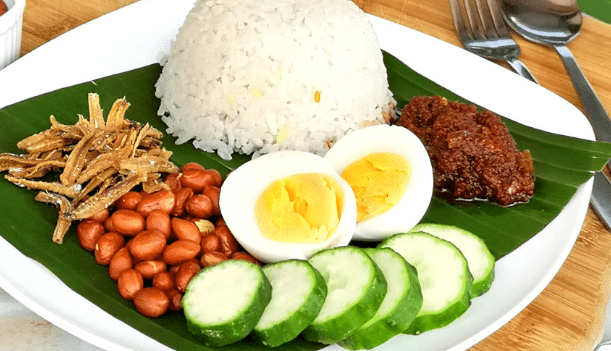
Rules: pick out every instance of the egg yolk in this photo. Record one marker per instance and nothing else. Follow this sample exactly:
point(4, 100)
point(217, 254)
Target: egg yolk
point(302, 208)
point(378, 181)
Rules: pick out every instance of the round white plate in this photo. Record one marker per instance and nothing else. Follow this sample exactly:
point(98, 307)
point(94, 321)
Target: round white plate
point(138, 34)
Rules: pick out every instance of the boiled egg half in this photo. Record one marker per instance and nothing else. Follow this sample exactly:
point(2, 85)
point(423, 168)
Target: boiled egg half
point(391, 176)
point(288, 204)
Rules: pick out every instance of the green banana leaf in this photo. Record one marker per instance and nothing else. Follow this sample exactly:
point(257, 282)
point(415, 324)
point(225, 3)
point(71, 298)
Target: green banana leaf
point(28, 224)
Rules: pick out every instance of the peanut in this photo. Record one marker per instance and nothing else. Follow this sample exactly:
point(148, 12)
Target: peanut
point(127, 222)
point(120, 261)
point(175, 297)
point(218, 178)
point(129, 201)
point(229, 245)
point(147, 245)
point(181, 196)
point(200, 206)
point(196, 179)
point(185, 272)
point(107, 246)
point(159, 220)
point(185, 230)
point(100, 216)
point(204, 225)
point(88, 233)
point(161, 200)
point(246, 257)
point(180, 251)
point(129, 283)
point(212, 258)
point(173, 181)
point(213, 193)
point(210, 242)
point(192, 165)
point(108, 225)
point(151, 302)
point(164, 281)
point(150, 268)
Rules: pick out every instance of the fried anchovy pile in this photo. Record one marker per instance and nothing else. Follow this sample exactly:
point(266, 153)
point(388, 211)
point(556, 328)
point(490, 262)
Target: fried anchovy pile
point(99, 162)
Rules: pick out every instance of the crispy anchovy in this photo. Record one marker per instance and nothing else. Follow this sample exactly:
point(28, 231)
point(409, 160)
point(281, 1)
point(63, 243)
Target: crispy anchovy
point(94, 183)
point(95, 111)
point(115, 116)
point(76, 160)
point(148, 164)
point(65, 207)
point(38, 170)
point(53, 187)
point(103, 199)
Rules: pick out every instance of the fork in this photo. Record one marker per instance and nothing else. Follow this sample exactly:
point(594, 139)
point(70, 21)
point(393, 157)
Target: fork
point(486, 34)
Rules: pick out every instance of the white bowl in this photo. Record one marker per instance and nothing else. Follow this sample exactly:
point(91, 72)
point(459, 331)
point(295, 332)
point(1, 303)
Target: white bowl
point(10, 31)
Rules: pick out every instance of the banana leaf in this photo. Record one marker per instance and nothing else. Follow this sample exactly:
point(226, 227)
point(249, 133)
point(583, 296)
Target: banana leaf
point(28, 224)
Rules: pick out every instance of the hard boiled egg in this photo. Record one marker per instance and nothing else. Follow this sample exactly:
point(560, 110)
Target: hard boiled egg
point(288, 204)
point(391, 175)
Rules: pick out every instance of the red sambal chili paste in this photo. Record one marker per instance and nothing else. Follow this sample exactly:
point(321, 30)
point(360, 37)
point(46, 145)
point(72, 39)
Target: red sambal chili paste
point(3, 8)
point(473, 154)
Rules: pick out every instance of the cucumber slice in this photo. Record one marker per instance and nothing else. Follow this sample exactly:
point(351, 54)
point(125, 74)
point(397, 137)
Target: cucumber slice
point(298, 293)
point(400, 305)
point(480, 260)
point(355, 290)
point(443, 274)
point(223, 303)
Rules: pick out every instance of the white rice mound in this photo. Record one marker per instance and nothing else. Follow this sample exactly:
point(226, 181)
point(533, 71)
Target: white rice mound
point(245, 76)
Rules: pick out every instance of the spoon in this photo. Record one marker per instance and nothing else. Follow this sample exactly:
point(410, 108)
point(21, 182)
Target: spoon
point(555, 23)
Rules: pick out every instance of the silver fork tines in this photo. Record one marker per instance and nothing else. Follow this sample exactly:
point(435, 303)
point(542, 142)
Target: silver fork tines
point(486, 34)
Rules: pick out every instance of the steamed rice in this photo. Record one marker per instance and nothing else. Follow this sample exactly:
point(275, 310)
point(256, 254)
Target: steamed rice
point(261, 76)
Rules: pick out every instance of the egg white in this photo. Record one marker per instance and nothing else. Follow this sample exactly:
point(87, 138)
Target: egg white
point(419, 190)
point(243, 187)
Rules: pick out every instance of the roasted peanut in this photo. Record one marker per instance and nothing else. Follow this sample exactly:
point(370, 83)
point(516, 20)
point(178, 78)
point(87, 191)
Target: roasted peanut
point(120, 261)
point(161, 200)
point(204, 225)
point(107, 246)
point(200, 206)
point(100, 216)
point(210, 242)
point(163, 281)
point(218, 178)
point(147, 245)
point(181, 196)
point(180, 251)
point(246, 257)
point(159, 220)
point(229, 245)
point(129, 283)
point(196, 179)
point(185, 230)
point(151, 302)
point(192, 165)
point(127, 222)
point(129, 201)
point(175, 297)
point(108, 225)
point(212, 258)
point(213, 193)
point(185, 272)
point(88, 233)
point(173, 181)
point(149, 268)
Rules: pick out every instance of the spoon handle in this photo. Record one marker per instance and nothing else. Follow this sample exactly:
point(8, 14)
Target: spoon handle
point(594, 109)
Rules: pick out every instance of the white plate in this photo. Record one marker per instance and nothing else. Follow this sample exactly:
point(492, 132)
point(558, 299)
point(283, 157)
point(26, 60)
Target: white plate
point(134, 36)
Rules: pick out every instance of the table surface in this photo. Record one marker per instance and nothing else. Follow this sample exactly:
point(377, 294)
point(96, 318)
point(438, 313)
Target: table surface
point(569, 313)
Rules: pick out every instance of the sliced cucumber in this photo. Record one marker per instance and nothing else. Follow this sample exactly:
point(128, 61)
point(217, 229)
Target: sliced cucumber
point(298, 293)
point(355, 290)
point(223, 303)
point(480, 260)
point(400, 306)
point(443, 274)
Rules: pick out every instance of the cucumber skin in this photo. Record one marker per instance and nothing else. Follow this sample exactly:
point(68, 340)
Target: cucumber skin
point(383, 330)
point(239, 328)
point(334, 330)
point(290, 328)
